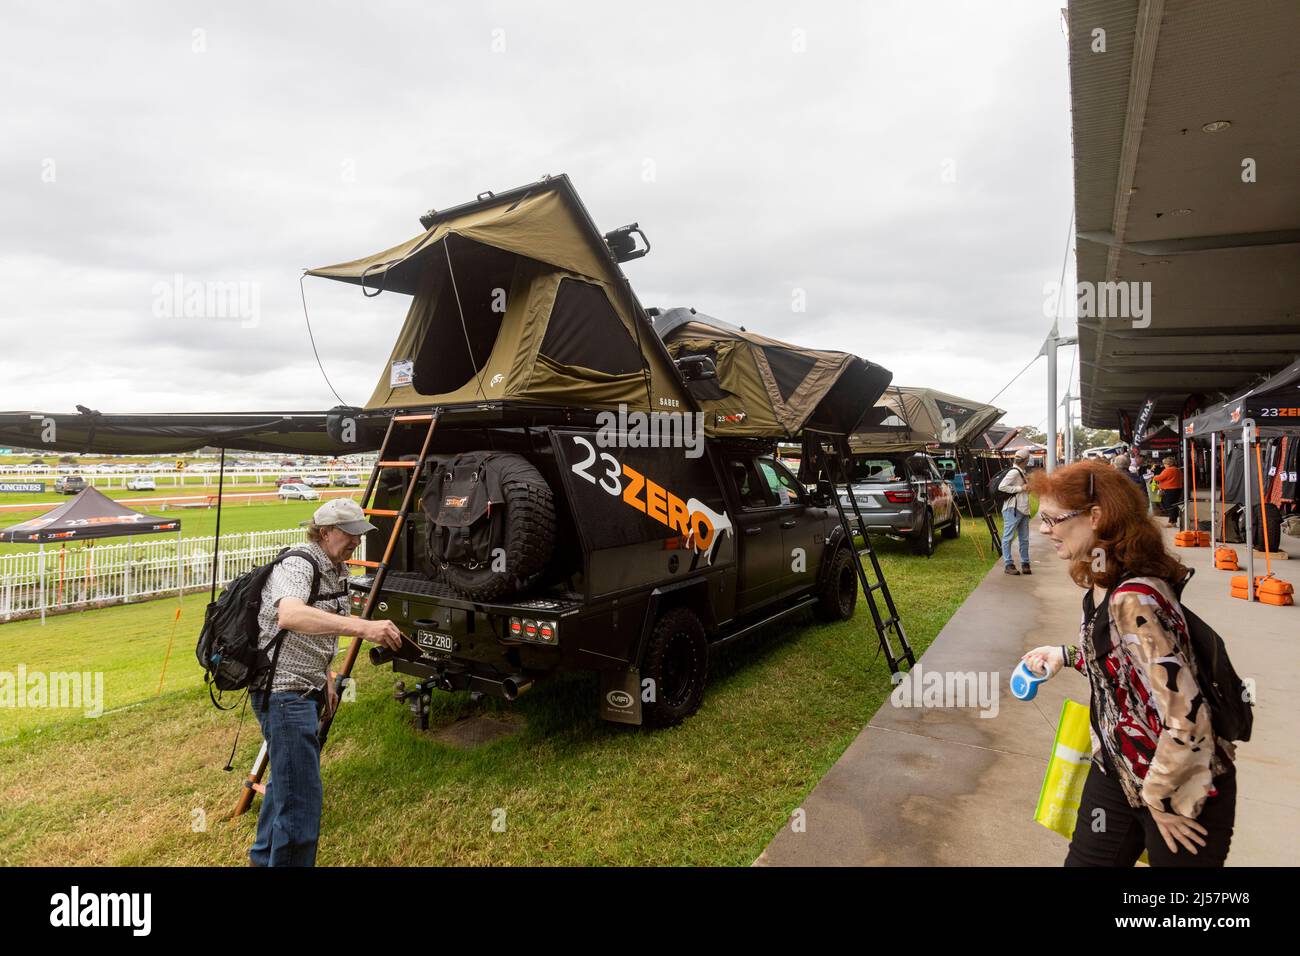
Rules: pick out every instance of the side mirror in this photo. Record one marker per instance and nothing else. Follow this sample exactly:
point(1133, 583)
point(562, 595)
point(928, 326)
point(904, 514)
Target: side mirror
point(823, 495)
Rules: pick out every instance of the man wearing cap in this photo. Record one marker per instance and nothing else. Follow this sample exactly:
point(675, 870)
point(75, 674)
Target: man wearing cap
point(1015, 513)
point(288, 825)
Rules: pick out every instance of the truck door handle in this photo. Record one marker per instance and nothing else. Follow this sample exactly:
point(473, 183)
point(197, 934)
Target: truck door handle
point(789, 524)
point(753, 529)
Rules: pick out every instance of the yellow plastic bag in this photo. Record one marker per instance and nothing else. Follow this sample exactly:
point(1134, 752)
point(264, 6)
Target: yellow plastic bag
point(1058, 801)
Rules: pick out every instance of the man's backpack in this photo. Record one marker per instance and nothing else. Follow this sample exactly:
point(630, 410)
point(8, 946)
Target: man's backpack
point(227, 648)
point(1000, 498)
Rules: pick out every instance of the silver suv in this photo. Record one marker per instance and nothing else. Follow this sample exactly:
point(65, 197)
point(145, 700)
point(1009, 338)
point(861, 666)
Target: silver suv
point(904, 496)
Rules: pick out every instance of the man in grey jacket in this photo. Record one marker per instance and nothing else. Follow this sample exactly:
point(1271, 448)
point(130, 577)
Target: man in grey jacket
point(1015, 513)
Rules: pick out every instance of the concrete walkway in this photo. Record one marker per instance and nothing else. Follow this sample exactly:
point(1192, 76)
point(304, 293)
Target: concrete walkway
point(944, 786)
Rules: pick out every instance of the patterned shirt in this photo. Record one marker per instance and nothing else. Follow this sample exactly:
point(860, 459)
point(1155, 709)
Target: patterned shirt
point(304, 658)
point(1148, 713)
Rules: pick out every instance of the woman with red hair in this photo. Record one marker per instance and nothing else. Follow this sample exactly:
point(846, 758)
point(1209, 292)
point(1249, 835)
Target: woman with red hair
point(1160, 779)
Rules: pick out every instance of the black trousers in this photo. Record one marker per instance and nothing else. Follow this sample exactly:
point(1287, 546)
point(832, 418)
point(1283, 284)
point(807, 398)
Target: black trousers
point(1118, 836)
point(1169, 502)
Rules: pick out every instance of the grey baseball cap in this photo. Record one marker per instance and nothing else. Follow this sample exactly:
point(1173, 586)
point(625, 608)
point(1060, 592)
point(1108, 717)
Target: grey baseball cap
point(342, 513)
point(1022, 454)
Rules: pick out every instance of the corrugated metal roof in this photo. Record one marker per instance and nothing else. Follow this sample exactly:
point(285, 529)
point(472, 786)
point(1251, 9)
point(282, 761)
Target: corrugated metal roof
point(1225, 281)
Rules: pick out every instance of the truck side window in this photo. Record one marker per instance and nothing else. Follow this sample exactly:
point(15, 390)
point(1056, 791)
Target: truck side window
point(752, 490)
point(784, 486)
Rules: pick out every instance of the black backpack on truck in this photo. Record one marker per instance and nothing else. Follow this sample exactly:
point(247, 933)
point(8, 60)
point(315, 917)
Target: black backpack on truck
point(227, 649)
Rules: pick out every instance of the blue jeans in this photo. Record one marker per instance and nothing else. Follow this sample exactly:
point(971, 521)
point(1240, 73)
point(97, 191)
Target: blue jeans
point(288, 825)
point(1012, 522)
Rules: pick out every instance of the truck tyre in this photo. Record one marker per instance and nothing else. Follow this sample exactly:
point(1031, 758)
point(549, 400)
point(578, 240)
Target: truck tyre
point(529, 536)
point(677, 661)
point(923, 538)
point(953, 528)
point(838, 596)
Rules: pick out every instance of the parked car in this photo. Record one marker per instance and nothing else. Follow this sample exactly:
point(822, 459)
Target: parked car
point(69, 484)
point(318, 480)
point(346, 481)
point(904, 496)
point(142, 483)
point(289, 480)
point(294, 491)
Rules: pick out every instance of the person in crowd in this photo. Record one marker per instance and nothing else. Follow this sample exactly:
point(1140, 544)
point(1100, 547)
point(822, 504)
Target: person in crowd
point(1170, 483)
point(1124, 466)
point(1160, 780)
point(1015, 513)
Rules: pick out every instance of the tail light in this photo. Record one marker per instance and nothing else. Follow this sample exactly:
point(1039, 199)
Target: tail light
point(516, 627)
point(900, 497)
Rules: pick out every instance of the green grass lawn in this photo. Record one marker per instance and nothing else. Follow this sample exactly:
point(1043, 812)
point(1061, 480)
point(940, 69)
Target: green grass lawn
point(126, 788)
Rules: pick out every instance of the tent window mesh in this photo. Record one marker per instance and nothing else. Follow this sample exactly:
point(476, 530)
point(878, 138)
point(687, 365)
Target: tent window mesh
point(584, 330)
point(788, 368)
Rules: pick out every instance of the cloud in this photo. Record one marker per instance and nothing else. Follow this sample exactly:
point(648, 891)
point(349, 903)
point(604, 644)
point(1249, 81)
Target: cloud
point(906, 166)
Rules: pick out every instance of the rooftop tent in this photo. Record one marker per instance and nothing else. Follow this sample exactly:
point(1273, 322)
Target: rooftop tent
point(768, 388)
point(997, 437)
point(1273, 405)
point(911, 418)
point(88, 515)
point(317, 433)
point(515, 297)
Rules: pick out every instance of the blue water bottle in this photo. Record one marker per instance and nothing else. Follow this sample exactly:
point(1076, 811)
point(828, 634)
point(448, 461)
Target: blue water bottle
point(1024, 682)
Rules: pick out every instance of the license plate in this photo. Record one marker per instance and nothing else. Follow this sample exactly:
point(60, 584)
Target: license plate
point(434, 642)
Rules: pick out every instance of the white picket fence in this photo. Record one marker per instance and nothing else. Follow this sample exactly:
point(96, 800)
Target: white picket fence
point(76, 578)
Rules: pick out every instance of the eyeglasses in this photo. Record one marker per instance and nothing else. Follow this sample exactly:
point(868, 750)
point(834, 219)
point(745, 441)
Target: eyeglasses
point(1051, 521)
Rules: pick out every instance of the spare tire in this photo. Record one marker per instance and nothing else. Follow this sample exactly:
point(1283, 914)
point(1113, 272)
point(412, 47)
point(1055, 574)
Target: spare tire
point(520, 526)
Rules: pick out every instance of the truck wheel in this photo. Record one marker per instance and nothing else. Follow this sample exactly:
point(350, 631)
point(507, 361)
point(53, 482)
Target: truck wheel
point(529, 536)
point(677, 661)
point(953, 528)
point(923, 538)
point(838, 597)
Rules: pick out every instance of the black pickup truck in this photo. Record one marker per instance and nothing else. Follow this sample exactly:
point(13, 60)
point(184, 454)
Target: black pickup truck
point(635, 563)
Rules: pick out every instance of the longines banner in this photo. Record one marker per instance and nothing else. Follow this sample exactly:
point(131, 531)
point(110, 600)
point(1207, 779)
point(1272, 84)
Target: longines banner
point(26, 487)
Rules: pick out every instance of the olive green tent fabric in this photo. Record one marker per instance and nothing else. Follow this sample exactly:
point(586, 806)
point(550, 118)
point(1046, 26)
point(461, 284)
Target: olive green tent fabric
point(515, 301)
point(769, 388)
point(541, 226)
point(912, 418)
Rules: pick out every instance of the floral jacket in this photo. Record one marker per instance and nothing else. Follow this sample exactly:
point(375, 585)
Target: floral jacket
point(1147, 712)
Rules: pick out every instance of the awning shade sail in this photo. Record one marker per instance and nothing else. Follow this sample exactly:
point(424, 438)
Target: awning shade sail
point(769, 388)
point(516, 298)
point(1273, 405)
point(911, 418)
point(157, 434)
point(89, 514)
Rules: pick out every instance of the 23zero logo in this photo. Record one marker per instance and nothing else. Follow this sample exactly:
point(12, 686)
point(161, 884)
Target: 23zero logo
point(699, 523)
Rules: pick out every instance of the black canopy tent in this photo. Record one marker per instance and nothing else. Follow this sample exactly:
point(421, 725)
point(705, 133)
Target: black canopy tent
point(88, 515)
point(1270, 409)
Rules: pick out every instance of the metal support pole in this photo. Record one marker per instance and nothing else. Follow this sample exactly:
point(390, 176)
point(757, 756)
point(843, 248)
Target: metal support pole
point(41, 558)
point(1182, 519)
point(1214, 484)
point(1246, 439)
point(1050, 345)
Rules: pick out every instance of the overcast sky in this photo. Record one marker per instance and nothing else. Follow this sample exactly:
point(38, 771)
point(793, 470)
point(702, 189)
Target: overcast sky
point(906, 165)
